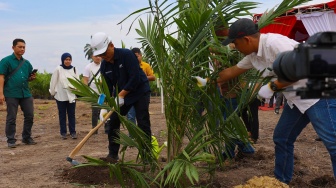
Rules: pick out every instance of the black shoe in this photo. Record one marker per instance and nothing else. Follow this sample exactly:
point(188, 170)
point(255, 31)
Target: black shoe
point(318, 139)
point(28, 141)
point(12, 145)
point(253, 141)
point(227, 156)
point(74, 136)
point(276, 111)
point(112, 158)
point(241, 155)
point(63, 136)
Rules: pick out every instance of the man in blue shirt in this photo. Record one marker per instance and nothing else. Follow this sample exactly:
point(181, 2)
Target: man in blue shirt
point(15, 72)
point(129, 85)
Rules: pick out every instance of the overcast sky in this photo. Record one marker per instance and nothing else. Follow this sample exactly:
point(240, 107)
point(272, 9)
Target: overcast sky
point(51, 28)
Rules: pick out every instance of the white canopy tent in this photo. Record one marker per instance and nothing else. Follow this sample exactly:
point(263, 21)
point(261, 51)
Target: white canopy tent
point(318, 21)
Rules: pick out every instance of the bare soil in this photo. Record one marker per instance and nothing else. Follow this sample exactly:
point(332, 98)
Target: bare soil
point(45, 165)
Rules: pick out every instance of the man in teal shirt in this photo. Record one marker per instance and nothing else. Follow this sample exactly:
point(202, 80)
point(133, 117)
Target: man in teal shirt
point(15, 72)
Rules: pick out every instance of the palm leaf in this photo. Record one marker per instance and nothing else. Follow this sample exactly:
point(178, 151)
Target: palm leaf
point(88, 51)
point(269, 16)
point(178, 55)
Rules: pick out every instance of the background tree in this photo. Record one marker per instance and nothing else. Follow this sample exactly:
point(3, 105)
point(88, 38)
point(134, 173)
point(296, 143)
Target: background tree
point(88, 52)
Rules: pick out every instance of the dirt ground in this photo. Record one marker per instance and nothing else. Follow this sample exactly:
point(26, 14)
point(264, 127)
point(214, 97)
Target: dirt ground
point(45, 165)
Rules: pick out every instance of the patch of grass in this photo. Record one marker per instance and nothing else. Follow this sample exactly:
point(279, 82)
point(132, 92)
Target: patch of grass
point(43, 107)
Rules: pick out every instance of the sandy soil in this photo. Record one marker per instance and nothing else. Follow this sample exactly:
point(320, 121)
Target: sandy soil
point(44, 164)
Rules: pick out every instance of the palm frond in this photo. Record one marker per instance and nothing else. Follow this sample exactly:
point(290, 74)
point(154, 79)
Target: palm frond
point(286, 5)
point(184, 162)
point(88, 51)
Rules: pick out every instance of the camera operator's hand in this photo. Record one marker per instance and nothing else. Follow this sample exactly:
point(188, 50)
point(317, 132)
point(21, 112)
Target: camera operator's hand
point(265, 92)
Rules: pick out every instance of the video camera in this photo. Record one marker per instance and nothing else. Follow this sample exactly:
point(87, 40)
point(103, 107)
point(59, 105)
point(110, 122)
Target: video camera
point(316, 60)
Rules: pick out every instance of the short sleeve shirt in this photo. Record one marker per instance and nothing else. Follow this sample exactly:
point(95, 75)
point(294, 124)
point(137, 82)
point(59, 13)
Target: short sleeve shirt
point(90, 71)
point(146, 68)
point(269, 46)
point(17, 85)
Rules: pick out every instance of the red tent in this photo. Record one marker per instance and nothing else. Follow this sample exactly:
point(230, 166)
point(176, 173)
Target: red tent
point(300, 23)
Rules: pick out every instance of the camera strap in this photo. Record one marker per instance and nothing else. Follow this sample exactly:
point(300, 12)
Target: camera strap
point(94, 76)
point(16, 69)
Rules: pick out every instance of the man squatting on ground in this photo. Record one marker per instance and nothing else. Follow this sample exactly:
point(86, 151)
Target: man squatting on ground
point(261, 51)
point(123, 74)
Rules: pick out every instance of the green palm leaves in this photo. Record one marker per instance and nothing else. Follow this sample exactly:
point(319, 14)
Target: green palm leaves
point(269, 15)
point(176, 38)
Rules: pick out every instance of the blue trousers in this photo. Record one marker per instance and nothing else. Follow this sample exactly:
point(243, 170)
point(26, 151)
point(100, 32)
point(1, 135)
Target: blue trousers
point(230, 147)
point(131, 115)
point(322, 115)
point(27, 106)
point(65, 108)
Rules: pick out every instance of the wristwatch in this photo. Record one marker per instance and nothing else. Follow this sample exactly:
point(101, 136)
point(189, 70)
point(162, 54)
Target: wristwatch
point(274, 87)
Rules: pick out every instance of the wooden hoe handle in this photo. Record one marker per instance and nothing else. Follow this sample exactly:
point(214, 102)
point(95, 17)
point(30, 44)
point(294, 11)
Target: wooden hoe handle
point(81, 143)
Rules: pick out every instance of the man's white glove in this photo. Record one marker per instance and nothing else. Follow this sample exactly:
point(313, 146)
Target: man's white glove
point(102, 114)
point(119, 101)
point(265, 92)
point(201, 82)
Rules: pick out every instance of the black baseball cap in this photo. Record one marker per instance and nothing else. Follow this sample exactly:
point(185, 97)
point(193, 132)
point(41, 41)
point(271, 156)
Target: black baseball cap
point(136, 50)
point(240, 28)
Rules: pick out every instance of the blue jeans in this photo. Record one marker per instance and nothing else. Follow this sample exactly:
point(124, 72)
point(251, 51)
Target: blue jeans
point(65, 108)
point(232, 104)
point(322, 115)
point(131, 115)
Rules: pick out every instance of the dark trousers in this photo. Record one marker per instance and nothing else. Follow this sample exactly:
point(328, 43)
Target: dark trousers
point(252, 121)
point(279, 100)
point(95, 116)
point(271, 100)
point(27, 106)
point(65, 108)
point(142, 116)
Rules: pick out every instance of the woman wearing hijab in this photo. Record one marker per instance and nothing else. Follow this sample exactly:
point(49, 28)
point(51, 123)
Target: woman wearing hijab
point(65, 99)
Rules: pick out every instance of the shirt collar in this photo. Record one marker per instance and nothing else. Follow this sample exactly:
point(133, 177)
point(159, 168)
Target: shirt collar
point(116, 55)
point(14, 57)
